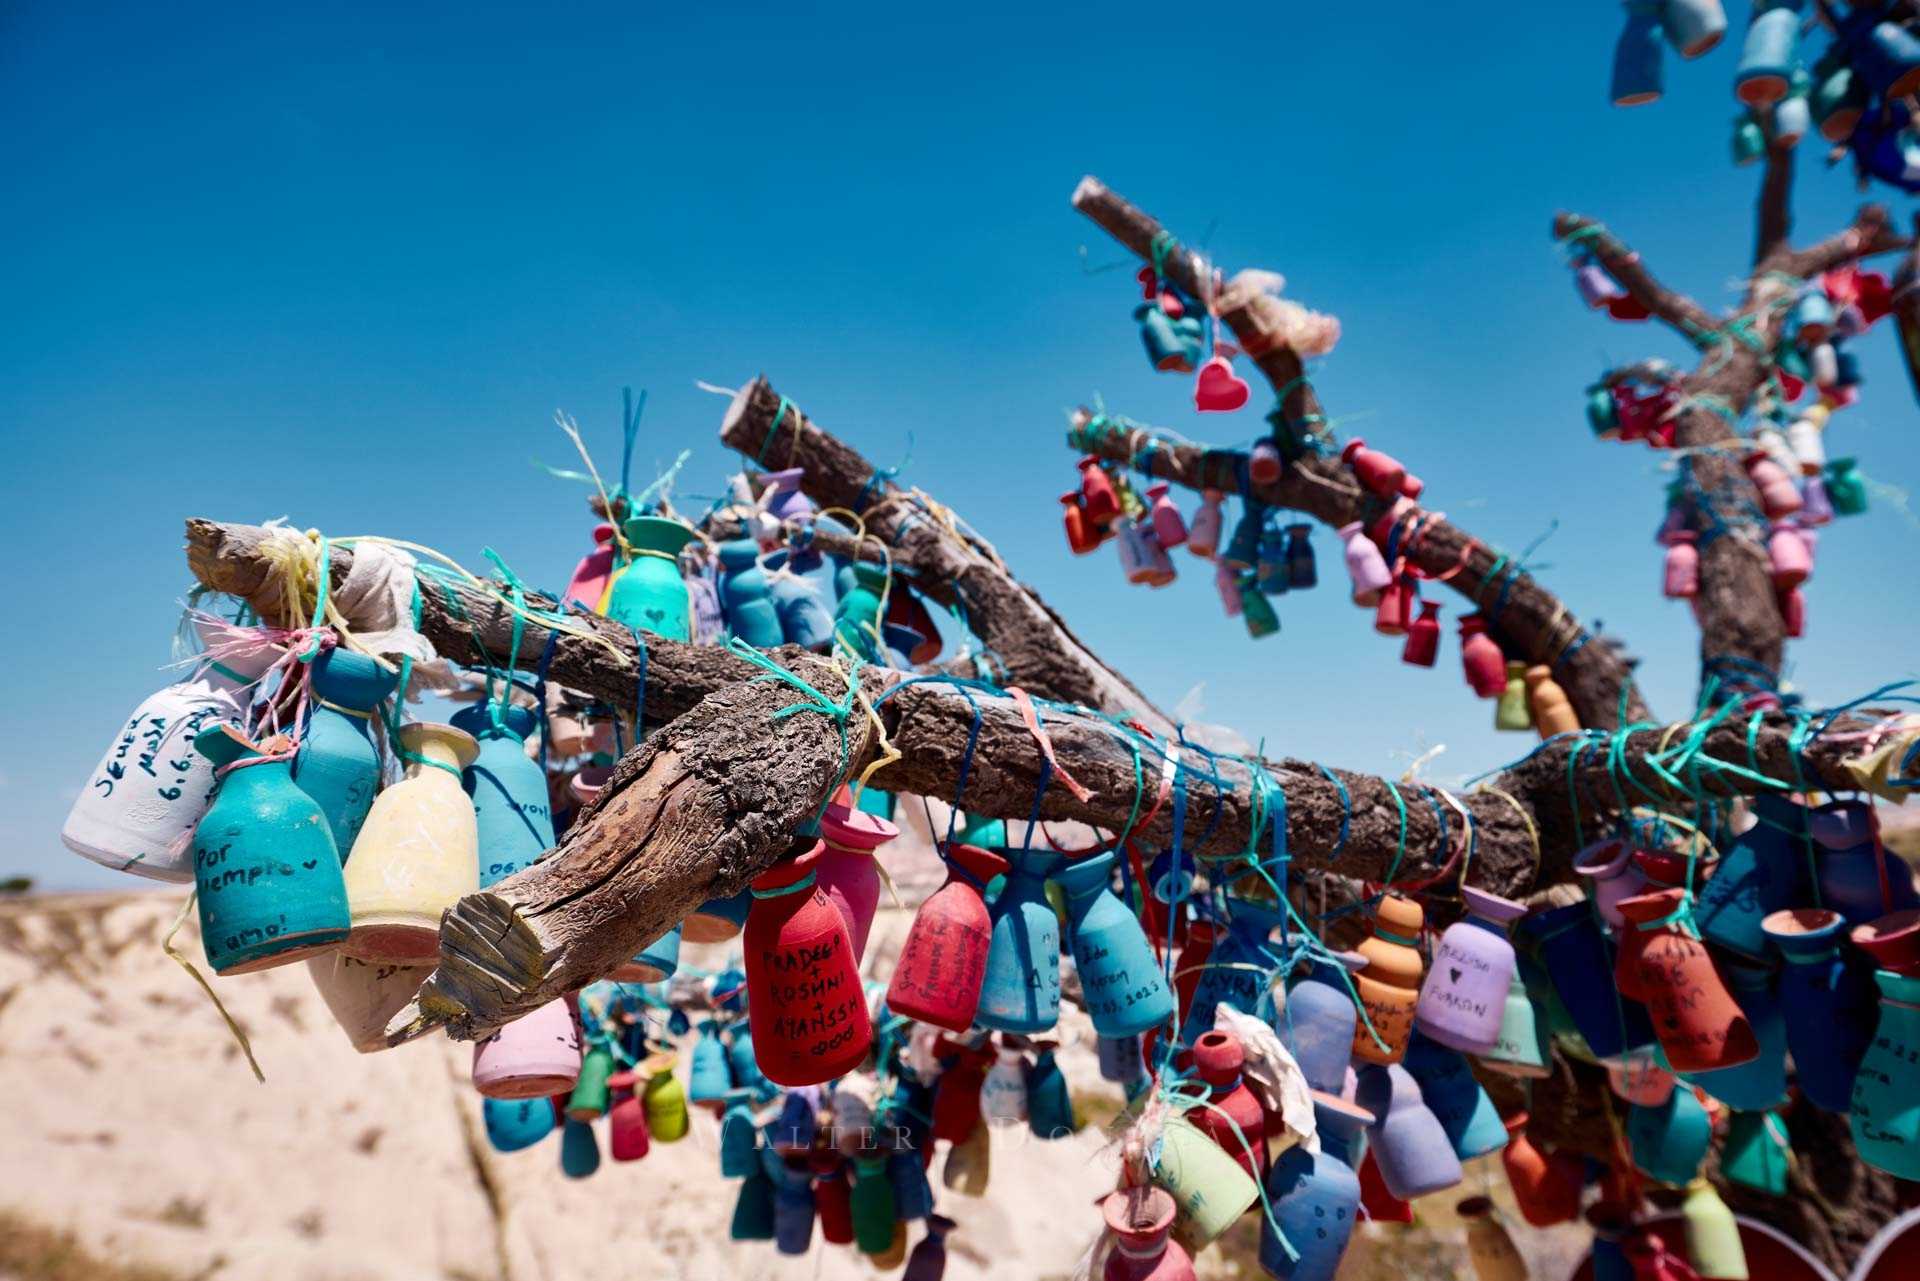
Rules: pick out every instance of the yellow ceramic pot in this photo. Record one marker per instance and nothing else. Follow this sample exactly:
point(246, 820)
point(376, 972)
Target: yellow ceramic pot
point(416, 854)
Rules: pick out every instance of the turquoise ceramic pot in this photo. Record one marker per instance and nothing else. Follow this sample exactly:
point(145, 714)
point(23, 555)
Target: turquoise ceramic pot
point(1020, 991)
point(739, 1138)
point(1669, 1142)
point(856, 618)
point(510, 807)
point(1049, 1104)
point(650, 594)
point(753, 1212)
point(745, 596)
point(1767, 58)
point(265, 865)
point(1126, 992)
point(337, 764)
point(579, 1150)
point(709, 1079)
point(513, 1124)
point(1886, 1107)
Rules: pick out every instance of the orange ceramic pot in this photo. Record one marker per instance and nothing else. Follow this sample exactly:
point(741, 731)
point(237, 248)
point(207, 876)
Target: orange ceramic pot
point(1389, 986)
point(1546, 1185)
point(1699, 1025)
point(1552, 712)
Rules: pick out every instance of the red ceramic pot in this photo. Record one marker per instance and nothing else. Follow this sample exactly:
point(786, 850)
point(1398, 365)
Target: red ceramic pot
point(1699, 1025)
point(1480, 658)
point(1546, 1185)
point(1192, 964)
point(944, 959)
point(1390, 616)
point(1893, 941)
point(1423, 636)
point(1233, 1117)
point(1381, 1205)
point(805, 1004)
point(627, 1137)
point(1379, 472)
point(832, 1196)
point(956, 1095)
point(1099, 504)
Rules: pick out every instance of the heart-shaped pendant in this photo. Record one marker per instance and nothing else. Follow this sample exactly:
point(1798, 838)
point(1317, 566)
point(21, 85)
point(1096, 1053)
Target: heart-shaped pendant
point(1217, 389)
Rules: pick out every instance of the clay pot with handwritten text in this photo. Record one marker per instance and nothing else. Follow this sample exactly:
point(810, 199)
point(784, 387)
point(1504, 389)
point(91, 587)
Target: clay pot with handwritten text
point(1699, 1024)
point(1389, 987)
point(805, 1005)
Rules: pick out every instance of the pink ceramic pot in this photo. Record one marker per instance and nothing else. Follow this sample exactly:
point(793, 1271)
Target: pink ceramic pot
point(1609, 865)
point(847, 874)
point(534, 1056)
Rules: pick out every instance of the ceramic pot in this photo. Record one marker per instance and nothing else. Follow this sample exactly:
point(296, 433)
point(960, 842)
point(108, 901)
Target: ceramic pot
point(1049, 1104)
point(1893, 941)
point(1389, 987)
point(664, 1100)
point(805, 1004)
point(418, 851)
point(1552, 712)
point(1119, 1058)
point(514, 1124)
point(832, 1197)
point(1236, 969)
point(1480, 658)
point(709, 1080)
point(1210, 1189)
point(872, 1204)
point(1576, 954)
point(848, 874)
point(363, 998)
point(1406, 1140)
point(1203, 531)
point(1021, 989)
point(1423, 636)
point(1546, 1185)
point(589, 582)
point(1003, 1090)
point(1302, 573)
point(1858, 877)
point(535, 1056)
point(1233, 1116)
point(1317, 1023)
point(1609, 865)
point(1764, 870)
point(1638, 75)
point(799, 604)
point(654, 963)
point(912, 1193)
point(1760, 1083)
point(579, 1150)
point(943, 962)
point(1713, 1238)
point(649, 593)
point(512, 820)
point(1767, 56)
point(1140, 1221)
point(1826, 1000)
point(1455, 1098)
point(1754, 1153)
point(1512, 712)
point(928, 1262)
point(793, 1207)
point(1680, 574)
point(1365, 566)
point(627, 1137)
point(1126, 993)
point(1521, 1048)
point(337, 764)
point(1463, 999)
point(266, 872)
point(718, 919)
point(1669, 1142)
point(1885, 1109)
point(753, 1209)
point(1379, 472)
point(138, 809)
point(1315, 1197)
point(1693, 27)
point(1699, 1024)
point(956, 1095)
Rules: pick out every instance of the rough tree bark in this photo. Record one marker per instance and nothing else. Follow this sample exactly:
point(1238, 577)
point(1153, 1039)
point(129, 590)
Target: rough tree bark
point(1529, 620)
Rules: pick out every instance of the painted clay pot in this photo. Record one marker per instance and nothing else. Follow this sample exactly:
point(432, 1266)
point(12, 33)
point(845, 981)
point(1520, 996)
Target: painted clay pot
point(1480, 658)
point(746, 595)
point(1169, 530)
point(1763, 870)
point(579, 1150)
point(956, 1095)
point(799, 604)
point(363, 998)
point(805, 1004)
point(654, 963)
point(1406, 1140)
point(718, 919)
point(1885, 1110)
point(138, 809)
point(1512, 712)
point(1827, 1002)
point(793, 1207)
point(1315, 1197)
point(418, 851)
point(1489, 1247)
point(1236, 969)
point(709, 1080)
point(1693, 27)
point(1893, 941)
point(943, 961)
point(1233, 1117)
point(1680, 575)
point(743, 1062)
point(1669, 1142)
point(1637, 71)
point(535, 1056)
point(847, 873)
point(1097, 496)
point(912, 1193)
point(1119, 1058)
point(1318, 1020)
point(1699, 1024)
point(1365, 566)
point(1761, 1082)
point(1790, 557)
point(1779, 496)
point(1463, 999)
point(969, 1166)
point(1379, 472)
point(265, 868)
point(1302, 573)
point(1552, 712)
point(589, 582)
point(1546, 1185)
point(1125, 990)
point(1140, 1221)
point(1389, 987)
point(1255, 609)
point(1049, 1103)
point(1021, 989)
point(1210, 1189)
point(1571, 948)
point(1754, 1153)
point(627, 1137)
point(592, 1093)
point(664, 1100)
point(514, 1124)
point(1611, 1221)
point(753, 1210)
point(1521, 1048)
point(1858, 877)
point(1242, 551)
point(1455, 1098)
point(856, 618)
point(1380, 1205)
point(337, 764)
point(1203, 531)
point(1003, 1090)
point(649, 593)
point(832, 1196)
point(1640, 1079)
point(513, 823)
point(1713, 1238)
point(872, 1203)
point(1609, 865)
point(1390, 614)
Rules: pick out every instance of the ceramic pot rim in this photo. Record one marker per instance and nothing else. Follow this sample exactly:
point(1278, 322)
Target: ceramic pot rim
point(1800, 922)
point(855, 831)
point(1141, 1211)
point(781, 875)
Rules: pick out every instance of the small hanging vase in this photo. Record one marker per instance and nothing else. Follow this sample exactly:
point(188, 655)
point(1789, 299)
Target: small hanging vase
point(364, 998)
point(1512, 711)
point(1552, 712)
point(793, 1206)
point(1049, 1104)
point(1236, 969)
point(943, 962)
point(1455, 1098)
point(664, 1099)
point(1760, 1083)
point(418, 851)
point(589, 581)
point(1318, 1022)
point(1680, 577)
point(579, 1150)
point(649, 593)
point(1003, 1090)
point(1126, 993)
point(1754, 1153)
point(1713, 1238)
point(912, 1192)
point(872, 1203)
point(709, 1080)
point(1826, 1001)
point(1480, 658)
point(1764, 870)
point(848, 874)
point(1210, 1189)
point(1302, 573)
point(956, 1095)
point(1366, 567)
point(1380, 1205)
point(1521, 1048)
point(1380, 473)
point(1389, 987)
point(1203, 531)
point(1609, 865)
point(337, 764)
point(1315, 1197)
point(928, 1261)
point(1414, 1154)
point(1021, 989)
point(832, 1196)
point(1574, 952)
point(1885, 1110)
point(654, 963)
point(805, 1004)
point(1169, 529)
point(1858, 876)
point(1422, 648)
point(512, 818)
point(1669, 1142)
point(718, 919)
point(534, 1057)
point(1463, 1000)
point(1546, 1185)
point(1140, 1220)
point(627, 1138)
point(1700, 1026)
point(1396, 602)
point(266, 873)
point(514, 1124)
point(1233, 1116)
point(753, 1212)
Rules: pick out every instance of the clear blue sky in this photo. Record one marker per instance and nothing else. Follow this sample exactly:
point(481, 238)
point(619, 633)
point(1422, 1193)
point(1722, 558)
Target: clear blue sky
point(343, 267)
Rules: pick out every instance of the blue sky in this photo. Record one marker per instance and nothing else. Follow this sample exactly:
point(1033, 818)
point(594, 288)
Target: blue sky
point(343, 267)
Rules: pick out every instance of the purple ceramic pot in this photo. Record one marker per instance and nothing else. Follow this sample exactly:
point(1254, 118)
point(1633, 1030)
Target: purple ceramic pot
point(1464, 995)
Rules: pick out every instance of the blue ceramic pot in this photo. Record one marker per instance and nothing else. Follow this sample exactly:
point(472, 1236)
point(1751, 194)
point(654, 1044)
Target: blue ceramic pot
point(739, 1139)
point(1021, 989)
point(1316, 1024)
point(1315, 1197)
point(1826, 1001)
point(1762, 871)
point(579, 1150)
point(1455, 1098)
point(753, 1212)
point(1120, 1058)
point(509, 791)
point(1049, 1103)
point(1301, 573)
point(1238, 969)
point(805, 619)
point(1414, 1155)
point(1637, 57)
point(792, 1181)
point(1851, 865)
point(745, 596)
point(1669, 1142)
point(337, 764)
point(1886, 1107)
point(912, 1194)
point(798, 1121)
point(513, 1124)
point(1578, 957)
point(1126, 992)
point(709, 1079)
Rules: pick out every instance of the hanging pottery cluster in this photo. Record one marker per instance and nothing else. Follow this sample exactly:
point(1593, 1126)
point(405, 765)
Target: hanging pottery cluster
point(1852, 92)
point(1179, 336)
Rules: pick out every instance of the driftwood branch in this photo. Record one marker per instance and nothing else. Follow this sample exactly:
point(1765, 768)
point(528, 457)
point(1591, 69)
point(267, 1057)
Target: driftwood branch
point(1624, 265)
point(1776, 203)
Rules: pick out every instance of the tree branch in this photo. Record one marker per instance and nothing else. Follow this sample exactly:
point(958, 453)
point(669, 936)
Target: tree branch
point(1624, 265)
point(1871, 234)
point(1776, 204)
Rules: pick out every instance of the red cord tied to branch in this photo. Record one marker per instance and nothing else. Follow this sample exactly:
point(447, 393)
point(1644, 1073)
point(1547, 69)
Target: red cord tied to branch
point(1039, 732)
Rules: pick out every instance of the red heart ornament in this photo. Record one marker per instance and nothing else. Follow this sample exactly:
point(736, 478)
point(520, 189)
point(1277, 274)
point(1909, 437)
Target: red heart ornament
point(1217, 390)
